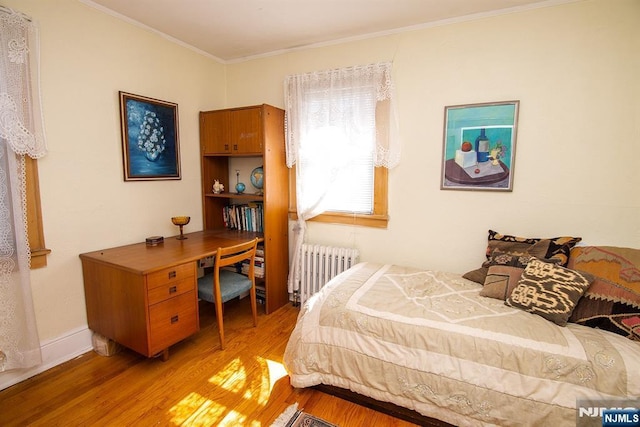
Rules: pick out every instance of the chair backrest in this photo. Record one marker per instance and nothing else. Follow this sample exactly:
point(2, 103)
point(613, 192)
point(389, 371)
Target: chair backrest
point(231, 255)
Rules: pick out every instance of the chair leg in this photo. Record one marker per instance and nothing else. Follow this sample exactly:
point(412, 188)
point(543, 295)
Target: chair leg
point(254, 307)
point(219, 316)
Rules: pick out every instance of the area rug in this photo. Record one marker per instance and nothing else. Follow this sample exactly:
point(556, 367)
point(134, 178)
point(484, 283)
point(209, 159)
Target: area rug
point(294, 417)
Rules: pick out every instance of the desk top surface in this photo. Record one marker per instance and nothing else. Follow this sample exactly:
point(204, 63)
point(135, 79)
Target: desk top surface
point(143, 259)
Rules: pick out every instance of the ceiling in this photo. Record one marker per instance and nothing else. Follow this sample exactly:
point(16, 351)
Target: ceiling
point(236, 30)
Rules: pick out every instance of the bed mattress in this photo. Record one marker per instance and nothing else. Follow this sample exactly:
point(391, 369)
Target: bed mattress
point(427, 341)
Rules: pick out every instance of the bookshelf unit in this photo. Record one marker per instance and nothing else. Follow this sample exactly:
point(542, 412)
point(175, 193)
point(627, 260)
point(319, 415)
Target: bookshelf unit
point(257, 134)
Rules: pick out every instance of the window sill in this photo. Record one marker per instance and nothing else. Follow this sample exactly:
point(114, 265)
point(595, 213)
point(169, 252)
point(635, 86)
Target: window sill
point(39, 258)
point(377, 221)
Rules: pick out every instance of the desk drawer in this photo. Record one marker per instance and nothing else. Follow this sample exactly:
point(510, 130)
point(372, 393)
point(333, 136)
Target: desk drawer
point(172, 320)
point(171, 274)
point(170, 290)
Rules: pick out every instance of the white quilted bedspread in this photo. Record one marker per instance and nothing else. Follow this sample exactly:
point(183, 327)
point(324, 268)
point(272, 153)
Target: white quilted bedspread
point(427, 341)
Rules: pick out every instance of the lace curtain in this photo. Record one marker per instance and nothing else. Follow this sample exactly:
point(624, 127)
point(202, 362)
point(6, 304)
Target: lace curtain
point(324, 111)
point(21, 133)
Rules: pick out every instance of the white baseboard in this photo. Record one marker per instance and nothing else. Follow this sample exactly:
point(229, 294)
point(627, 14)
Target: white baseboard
point(54, 352)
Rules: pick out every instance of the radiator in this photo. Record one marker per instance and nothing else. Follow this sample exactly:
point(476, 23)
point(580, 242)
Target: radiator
point(319, 264)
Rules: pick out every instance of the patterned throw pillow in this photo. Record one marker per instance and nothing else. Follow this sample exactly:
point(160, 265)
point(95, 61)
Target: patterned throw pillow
point(612, 302)
point(503, 274)
point(519, 247)
point(517, 243)
point(559, 247)
point(556, 248)
point(549, 290)
point(633, 324)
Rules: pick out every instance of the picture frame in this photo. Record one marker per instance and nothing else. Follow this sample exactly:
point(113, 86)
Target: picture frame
point(479, 146)
point(150, 141)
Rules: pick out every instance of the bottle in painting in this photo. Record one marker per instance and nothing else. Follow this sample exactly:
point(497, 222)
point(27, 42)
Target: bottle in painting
point(482, 146)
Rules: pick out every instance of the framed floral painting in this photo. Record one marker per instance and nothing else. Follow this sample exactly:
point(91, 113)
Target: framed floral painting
point(479, 146)
point(150, 144)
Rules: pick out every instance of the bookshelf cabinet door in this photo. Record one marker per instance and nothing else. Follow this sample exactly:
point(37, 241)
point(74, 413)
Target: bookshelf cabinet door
point(246, 132)
point(214, 132)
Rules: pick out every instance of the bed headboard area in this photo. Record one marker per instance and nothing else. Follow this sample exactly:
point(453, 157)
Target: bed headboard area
point(608, 297)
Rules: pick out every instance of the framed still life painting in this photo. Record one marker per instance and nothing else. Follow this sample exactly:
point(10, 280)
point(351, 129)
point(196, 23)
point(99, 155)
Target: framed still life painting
point(479, 146)
point(150, 144)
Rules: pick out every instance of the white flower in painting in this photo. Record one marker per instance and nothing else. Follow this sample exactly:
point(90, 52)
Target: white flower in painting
point(151, 138)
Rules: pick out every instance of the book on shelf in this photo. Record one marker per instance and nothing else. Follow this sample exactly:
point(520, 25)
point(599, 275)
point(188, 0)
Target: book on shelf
point(260, 294)
point(244, 217)
point(258, 268)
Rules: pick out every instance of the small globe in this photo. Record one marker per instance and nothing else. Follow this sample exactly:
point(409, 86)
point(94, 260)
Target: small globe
point(257, 177)
point(240, 187)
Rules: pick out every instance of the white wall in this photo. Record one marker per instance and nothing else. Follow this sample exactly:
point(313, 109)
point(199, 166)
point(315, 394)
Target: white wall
point(88, 56)
point(574, 68)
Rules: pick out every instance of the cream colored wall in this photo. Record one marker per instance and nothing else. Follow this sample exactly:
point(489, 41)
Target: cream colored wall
point(87, 57)
point(575, 70)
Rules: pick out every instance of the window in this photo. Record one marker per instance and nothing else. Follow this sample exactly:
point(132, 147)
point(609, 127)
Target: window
point(378, 217)
point(338, 123)
point(22, 133)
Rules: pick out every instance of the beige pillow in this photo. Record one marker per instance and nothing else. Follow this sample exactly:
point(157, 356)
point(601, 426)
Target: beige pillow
point(500, 281)
point(549, 290)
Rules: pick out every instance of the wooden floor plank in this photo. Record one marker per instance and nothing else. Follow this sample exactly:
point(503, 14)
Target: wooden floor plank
point(244, 385)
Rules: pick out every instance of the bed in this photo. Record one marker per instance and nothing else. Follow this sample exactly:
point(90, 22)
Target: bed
point(433, 343)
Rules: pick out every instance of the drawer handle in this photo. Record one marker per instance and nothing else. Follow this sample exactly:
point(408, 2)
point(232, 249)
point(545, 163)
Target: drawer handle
point(174, 319)
point(173, 290)
point(172, 274)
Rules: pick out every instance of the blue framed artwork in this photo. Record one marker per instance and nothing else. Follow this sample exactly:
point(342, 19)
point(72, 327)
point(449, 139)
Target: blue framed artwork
point(479, 146)
point(150, 143)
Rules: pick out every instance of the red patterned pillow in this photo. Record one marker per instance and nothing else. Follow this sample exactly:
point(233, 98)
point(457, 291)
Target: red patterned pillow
point(612, 302)
point(633, 323)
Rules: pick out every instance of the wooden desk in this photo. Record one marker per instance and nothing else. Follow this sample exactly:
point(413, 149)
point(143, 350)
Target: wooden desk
point(146, 297)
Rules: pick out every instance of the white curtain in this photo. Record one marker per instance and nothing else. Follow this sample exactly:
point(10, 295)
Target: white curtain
point(21, 133)
point(328, 113)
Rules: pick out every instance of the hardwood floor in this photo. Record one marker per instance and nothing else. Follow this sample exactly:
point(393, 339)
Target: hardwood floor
point(200, 385)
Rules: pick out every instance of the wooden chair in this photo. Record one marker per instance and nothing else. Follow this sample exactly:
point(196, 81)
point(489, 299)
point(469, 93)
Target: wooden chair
point(222, 285)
